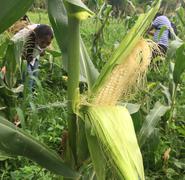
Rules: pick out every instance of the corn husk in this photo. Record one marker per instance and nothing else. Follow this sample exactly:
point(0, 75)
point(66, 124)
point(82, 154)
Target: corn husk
point(113, 126)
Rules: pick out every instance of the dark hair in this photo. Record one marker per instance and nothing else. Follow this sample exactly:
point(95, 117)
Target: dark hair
point(158, 14)
point(43, 30)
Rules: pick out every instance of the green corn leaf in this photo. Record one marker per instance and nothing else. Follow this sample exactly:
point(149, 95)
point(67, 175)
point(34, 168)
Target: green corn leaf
point(114, 128)
point(179, 63)
point(11, 11)
point(59, 21)
point(172, 85)
point(82, 147)
point(151, 121)
point(164, 28)
point(166, 92)
point(150, 148)
point(11, 66)
point(181, 14)
point(174, 44)
point(87, 68)
point(138, 121)
point(126, 45)
point(12, 61)
point(16, 142)
point(18, 49)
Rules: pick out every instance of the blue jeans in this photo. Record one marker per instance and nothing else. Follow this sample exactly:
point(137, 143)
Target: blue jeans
point(32, 71)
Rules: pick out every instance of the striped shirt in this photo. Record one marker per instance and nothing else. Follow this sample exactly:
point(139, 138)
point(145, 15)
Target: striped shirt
point(23, 36)
point(158, 23)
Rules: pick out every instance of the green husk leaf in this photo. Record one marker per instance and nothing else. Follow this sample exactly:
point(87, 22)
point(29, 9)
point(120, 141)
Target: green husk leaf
point(96, 152)
point(111, 125)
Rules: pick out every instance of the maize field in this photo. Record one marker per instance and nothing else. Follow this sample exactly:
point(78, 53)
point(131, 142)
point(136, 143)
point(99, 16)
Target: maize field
point(104, 105)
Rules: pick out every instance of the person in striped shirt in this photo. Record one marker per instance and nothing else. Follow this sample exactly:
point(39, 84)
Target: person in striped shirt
point(162, 26)
point(35, 39)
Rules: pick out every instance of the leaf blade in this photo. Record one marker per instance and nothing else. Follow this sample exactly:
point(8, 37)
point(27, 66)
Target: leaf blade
point(16, 142)
point(151, 121)
point(179, 64)
point(8, 13)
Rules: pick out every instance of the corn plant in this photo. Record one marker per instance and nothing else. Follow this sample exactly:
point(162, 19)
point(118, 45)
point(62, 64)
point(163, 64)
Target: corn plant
point(98, 127)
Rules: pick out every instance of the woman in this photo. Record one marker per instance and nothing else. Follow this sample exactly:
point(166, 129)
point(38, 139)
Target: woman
point(161, 38)
point(35, 39)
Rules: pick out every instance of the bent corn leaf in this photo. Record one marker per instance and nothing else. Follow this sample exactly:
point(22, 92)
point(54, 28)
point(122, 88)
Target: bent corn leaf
point(151, 121)
point(16, 142)
point(9, 13)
